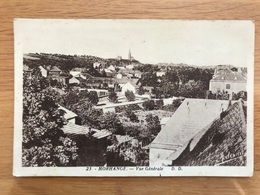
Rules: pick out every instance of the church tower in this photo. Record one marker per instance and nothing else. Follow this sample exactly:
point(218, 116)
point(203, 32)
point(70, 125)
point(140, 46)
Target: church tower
point(129, 55)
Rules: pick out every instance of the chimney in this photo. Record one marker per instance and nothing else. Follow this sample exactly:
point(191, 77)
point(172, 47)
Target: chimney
point(231, 96)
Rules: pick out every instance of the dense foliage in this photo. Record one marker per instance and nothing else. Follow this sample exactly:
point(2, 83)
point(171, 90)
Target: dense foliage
point(113, 97)
point(184, 81)
point(44, 143)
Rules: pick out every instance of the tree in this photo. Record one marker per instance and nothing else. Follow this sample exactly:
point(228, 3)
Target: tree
point(130, 96)
point(103, 73)
point(44, 143)
point(240, 94)
point(83, 95)
point(149, 105)
point(70, 99)
point(111, 122)
point(153, 124)
point(131, 115)
point(93, 97)
point(88, 115)
point(149, 79)
point(112, 97)
point(141, 91)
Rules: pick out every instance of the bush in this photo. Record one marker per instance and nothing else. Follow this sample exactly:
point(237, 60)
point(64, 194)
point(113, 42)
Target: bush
point(130, 96)
point(159, 104)
point(149, 105)
point(112, 97)
point(176, 103)
point(132, 116)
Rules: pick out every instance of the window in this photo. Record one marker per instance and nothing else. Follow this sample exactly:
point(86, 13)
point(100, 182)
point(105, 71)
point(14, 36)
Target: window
point(227, 86)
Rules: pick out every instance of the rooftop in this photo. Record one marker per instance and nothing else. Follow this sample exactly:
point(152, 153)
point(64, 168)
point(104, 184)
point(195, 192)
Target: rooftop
point(68, 114)
point(227, 74)
point(74, 129)
point(190, 118)
point(53, 68)
point(223, 142)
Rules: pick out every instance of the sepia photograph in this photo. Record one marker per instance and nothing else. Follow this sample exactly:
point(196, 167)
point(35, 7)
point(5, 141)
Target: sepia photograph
point(96, 97)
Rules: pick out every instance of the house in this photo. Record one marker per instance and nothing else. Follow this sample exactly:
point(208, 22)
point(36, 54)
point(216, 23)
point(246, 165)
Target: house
point(91, 143)
point(52, 71)
point(27, 70)
point(100, 92)
point(137, 74)
point(119, 76)
point(75, 129)
point(81, 72)
point(77, 74)
point(111, 68)
point(69, 115)
point(74, 80)
point(43, 71)
point(110, 107)
point(128, 84)
point(130, 66)
point(222, 143)
point(225, 79)
point(131, 73)
point(109, 73)
point(96, 82)
point(96, 64)
point(148, 89)
point(160, 73)
point(190, 118)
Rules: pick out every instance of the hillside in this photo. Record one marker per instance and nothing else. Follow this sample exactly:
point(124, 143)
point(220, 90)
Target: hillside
point(68, 62)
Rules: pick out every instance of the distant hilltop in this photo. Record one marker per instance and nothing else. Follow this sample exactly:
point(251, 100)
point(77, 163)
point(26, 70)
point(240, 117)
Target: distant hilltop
point(85, 60)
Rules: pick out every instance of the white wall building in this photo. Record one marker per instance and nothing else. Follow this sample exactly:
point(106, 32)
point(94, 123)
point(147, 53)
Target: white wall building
point(128, 86)
point(228, 80)
point(43, 71)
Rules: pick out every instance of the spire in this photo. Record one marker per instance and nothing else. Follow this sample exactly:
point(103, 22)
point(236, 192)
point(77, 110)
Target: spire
point(129, 55)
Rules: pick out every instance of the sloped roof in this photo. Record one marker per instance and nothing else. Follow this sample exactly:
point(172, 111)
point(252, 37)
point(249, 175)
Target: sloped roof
point(74, 129)
point(74, 80)
point(123, 138)
point(68, 114)
point(190, 118)
point(126, 80)
point(101, 134)
point(221, 143)
point(53, 68)
point(229, 75)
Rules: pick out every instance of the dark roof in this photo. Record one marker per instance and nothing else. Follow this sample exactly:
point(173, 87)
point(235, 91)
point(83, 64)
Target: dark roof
point(221, 143)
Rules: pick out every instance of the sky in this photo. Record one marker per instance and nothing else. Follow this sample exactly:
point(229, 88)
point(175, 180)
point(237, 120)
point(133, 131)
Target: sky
point(199, 43)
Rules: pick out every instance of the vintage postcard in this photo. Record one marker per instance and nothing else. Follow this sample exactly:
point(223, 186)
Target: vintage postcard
point(96, 97)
